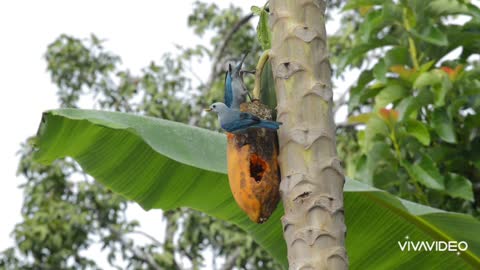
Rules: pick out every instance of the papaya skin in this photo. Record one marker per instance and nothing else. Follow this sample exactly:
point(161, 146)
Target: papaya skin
point(253, 170)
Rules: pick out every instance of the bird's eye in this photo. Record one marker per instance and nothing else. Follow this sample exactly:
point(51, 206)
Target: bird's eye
point(214, 106)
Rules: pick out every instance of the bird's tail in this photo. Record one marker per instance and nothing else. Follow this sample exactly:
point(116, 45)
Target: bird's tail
point(269, 124)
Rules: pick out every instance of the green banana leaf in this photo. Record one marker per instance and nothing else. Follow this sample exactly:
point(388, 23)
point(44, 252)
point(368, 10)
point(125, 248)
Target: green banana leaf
point(163, 164)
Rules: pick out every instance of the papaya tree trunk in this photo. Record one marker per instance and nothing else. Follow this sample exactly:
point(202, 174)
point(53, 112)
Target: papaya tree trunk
point(312, 177)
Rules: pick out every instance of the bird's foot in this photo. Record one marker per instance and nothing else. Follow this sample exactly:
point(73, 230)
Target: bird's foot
point(249, 71)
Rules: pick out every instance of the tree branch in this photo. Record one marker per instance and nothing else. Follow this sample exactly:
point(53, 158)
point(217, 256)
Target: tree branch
point(223, 47)
point(154, 240)
point(139, 254)
point(145, 257)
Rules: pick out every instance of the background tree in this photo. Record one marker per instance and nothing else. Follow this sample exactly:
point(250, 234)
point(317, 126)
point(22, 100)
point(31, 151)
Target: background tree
point(418, 108)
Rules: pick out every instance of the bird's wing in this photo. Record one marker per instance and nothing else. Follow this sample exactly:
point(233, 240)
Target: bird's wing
point(253, 118)
point(239, 124)
point(243, 121)
point(228, 95)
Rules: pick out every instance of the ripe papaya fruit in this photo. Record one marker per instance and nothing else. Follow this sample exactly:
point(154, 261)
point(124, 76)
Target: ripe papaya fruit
point(253, 171)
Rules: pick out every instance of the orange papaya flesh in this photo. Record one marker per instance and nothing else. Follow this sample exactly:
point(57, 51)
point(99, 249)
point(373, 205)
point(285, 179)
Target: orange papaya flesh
point(253, 171)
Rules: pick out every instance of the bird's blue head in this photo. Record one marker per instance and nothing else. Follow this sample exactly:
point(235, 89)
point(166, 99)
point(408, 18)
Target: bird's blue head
point(230, 75)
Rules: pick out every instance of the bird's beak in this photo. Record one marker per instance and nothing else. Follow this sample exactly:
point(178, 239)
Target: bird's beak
point(239, 66)
point(208, 110)
point(243, 58)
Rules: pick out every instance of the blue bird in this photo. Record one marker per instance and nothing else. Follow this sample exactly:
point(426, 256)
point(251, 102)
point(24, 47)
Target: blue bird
point(235, 121)
point(228, 96)
point(235, 90)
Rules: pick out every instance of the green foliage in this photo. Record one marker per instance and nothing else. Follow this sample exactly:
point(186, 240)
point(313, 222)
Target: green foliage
point(210, 17)
point(268, 95)
point(264, 34)
point(417, 130)
point(76, 66)
point(162, 171)
point(59, 216)
point(421, 137)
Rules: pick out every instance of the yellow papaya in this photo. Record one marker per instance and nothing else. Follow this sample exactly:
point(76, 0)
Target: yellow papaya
point(253, 170)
